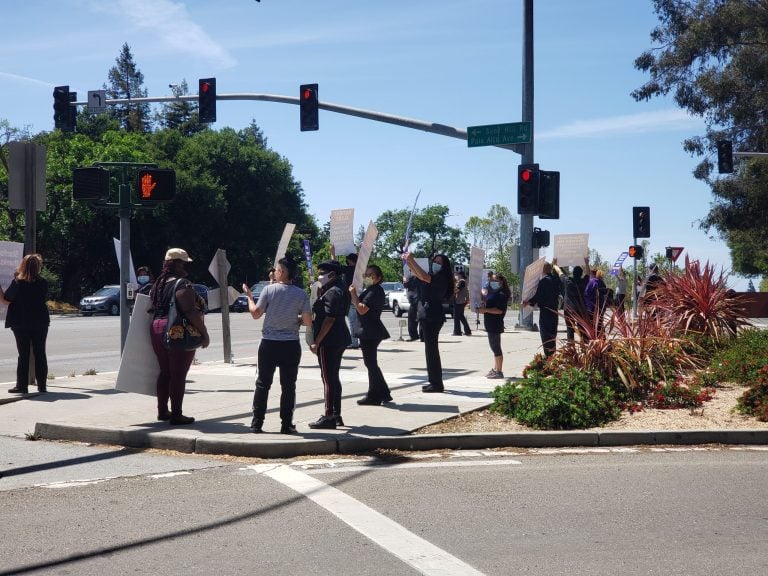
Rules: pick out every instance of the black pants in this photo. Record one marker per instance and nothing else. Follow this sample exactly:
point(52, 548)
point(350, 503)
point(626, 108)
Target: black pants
point(274, 354)
point(460, 320)
point(431, 331)
point(413, 322)
point(330, 364)
point(377, 385)
point(36, 339)
point(548, 330)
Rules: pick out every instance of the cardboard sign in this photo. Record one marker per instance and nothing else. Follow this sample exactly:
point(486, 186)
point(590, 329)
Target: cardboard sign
point(571, 249)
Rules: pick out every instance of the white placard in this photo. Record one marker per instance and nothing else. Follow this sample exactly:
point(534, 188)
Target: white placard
point(131, 269)
point(138, 366)
point(533, 273)
point(342, 234)
point(571, 249)
point(364, 256)
point(282, 246)
point(11, 254)
point(476, 276)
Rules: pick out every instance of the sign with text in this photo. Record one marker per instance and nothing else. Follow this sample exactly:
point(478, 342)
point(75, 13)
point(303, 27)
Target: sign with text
point(11, 254)
point(365, 254)
point(533, 273)
point(571, 249)
point(476, 277)
point(342, 234)
point(495, 134)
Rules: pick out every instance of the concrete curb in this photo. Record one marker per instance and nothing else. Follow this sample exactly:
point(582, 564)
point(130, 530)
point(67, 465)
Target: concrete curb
point(298, 446)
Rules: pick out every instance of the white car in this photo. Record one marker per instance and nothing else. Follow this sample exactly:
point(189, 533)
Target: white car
point(398, 300)
point(388, 288)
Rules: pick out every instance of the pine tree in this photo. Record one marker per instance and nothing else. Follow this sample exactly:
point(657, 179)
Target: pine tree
point(180, 115)
point(126, 81)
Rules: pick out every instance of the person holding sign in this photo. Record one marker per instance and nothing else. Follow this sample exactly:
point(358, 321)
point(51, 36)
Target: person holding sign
point(372, 331)
point(437, 286)
point(547, 299)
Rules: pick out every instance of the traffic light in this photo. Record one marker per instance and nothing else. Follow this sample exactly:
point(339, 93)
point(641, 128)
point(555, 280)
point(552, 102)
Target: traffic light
point(549, 195)
point(528, 177)
point(636, 252)
point(309, 107)
point(90, 183)
point(641, 222)
point(540, 238)
point(155, 185)
point(63, 113)
point(206, 100)
point(724, 156)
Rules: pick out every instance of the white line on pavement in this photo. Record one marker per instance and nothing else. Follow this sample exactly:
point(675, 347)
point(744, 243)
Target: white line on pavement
point(411, 549)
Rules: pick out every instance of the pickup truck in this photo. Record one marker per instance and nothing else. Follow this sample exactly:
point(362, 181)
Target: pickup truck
point(398, 300)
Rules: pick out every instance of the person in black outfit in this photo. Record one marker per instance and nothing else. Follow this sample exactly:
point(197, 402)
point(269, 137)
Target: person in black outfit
point(28, 318)
point(436, 287)
point(460, 300)
point(331, 338)
point(493, 318)
point(573, 307)
point(372, 331)
point(546, 298)
point(412, 293)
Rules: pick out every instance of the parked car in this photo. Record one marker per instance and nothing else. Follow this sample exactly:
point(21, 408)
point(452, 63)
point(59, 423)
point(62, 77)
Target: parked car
point(241, 304)
point(390, 287)
point(202, 291)
point(400, 305)
point(104, 300)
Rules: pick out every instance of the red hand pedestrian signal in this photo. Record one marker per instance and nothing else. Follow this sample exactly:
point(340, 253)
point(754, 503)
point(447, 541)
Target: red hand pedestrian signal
point(155, 185)
point(148, 185)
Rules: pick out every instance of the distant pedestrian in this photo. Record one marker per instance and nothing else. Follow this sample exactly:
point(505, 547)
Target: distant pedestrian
point(331, 338)
point(435, 289)
point(460, 301)
point(145, 278)
point(369, 305)
point(621, 290)
point(172, 284)
point(574, 310)
point(285, 308)
point(493, 317)
point(28, 319)
point(595, 299)
point(547, 299)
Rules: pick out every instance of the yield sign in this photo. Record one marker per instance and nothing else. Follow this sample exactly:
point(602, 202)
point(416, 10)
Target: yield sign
point(674, 252)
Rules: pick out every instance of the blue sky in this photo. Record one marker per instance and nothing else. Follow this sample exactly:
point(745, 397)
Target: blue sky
point(448, 61)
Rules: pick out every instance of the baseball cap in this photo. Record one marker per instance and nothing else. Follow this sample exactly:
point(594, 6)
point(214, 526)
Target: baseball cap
point(177, 254)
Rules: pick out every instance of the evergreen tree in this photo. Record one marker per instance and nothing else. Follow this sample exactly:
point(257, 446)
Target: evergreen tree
point(126, 81)
point(180, 114)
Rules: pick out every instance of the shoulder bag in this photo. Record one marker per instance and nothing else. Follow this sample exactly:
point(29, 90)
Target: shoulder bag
point(180, 333)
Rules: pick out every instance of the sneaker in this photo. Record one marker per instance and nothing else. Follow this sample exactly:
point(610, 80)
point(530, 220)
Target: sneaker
point(432, 388)
point(491, 373)
point(339, 421)
point(324, 423)
point(17, 390)
point(368, 401)
point(256, 426)
point(288, 429)
point(496, 376)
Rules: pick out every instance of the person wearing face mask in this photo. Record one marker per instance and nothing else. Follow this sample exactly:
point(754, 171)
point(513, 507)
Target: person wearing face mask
point(174, 364)
point(493, 318)
point(372, 331)
point(145, 278)
point(331, 338)
point(436, 287)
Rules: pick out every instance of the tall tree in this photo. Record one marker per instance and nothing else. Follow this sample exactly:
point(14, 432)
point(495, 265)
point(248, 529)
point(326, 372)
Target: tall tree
point(711, 55)
point(127, 81)
point(181, 115)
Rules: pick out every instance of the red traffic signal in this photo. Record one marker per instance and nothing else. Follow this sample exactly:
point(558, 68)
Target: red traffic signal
point(206, 100)
point(309, 117)
point(155, 185)
point(528, 189)
point(636, 251)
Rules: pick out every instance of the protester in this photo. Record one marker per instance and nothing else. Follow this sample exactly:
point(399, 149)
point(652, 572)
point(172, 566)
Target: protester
point(547, 299)
point(174, 364)
point(285, 308)
point(145, 278)
point(372, 331)
point(436, 287)
point(621, 290)
point(412, 293)
point(331, 337)
point(28, 319)
point(493, 312)
point(460, 301)
point(595, 299)
point(574, 309)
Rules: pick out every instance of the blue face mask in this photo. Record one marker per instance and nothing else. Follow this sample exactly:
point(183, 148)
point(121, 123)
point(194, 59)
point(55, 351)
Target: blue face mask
point(143, 279)
point(495, 285)
point(436, 267)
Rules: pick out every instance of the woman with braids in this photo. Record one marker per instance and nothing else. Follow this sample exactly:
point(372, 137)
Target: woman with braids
point(174, 364)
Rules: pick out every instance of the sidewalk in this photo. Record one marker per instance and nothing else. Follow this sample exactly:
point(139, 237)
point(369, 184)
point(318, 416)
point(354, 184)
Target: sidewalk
point(219, 396)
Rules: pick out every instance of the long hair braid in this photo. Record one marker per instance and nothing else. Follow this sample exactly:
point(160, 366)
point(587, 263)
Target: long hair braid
point(158, 288)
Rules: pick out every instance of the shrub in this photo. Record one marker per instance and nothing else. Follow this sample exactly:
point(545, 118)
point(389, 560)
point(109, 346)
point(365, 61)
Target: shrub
point(742, 359)
point(755, 400)
point(568, 399)
point(679, 394)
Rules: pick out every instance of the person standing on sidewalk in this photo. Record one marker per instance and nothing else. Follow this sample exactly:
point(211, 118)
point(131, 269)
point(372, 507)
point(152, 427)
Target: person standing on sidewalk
point(493, 318)
point(372, 331)
point(461, 297)
point(174, 364)
point(331, 338)
point(547, 299)
point(411, 285)
point(348, 274)
point(28, 319)
point(436, 288)
point(285, 308)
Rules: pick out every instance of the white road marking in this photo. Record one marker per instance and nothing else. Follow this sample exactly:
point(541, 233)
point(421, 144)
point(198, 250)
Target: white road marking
point(444, 464)
point(74, 483)
point(413, 550)
point(170, 474)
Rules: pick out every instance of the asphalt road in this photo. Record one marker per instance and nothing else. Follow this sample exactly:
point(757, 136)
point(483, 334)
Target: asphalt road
point(684, 511)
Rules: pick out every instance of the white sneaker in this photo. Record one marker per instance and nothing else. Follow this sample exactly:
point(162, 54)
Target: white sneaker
point(491, 373)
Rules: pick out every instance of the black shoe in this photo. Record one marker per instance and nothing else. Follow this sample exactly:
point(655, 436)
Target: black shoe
point(368, 401)
point(17, 390)
point(180, 420)
point(164, 415)
point(288, 429)
point(256, 426)
point(432, 388)
point(42, 389)
point(387, 399)
point(456, 334)
point(324, 423)
point(467, 333)
point(339, 421)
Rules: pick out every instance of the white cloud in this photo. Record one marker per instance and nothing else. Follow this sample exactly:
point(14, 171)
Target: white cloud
point(643, 122)
point(25, 79)
point(172, 26)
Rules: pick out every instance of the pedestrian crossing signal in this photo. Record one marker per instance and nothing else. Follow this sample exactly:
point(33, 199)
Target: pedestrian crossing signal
point(155, 185)
point(636, 252)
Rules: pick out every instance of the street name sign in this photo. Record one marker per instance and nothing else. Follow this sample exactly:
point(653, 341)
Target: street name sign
point(495, 134)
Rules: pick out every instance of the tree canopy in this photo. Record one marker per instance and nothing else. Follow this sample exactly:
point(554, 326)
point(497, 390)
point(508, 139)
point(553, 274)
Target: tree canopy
point(712, 56)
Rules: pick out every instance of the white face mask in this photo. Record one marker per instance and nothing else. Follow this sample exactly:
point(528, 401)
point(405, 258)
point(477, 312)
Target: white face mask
point(367, 282)
point(325, 279)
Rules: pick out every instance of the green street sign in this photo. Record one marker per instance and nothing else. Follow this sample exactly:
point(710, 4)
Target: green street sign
point(495, 134)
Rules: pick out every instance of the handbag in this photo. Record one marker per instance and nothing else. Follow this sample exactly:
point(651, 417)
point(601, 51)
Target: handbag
point(180, 334)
